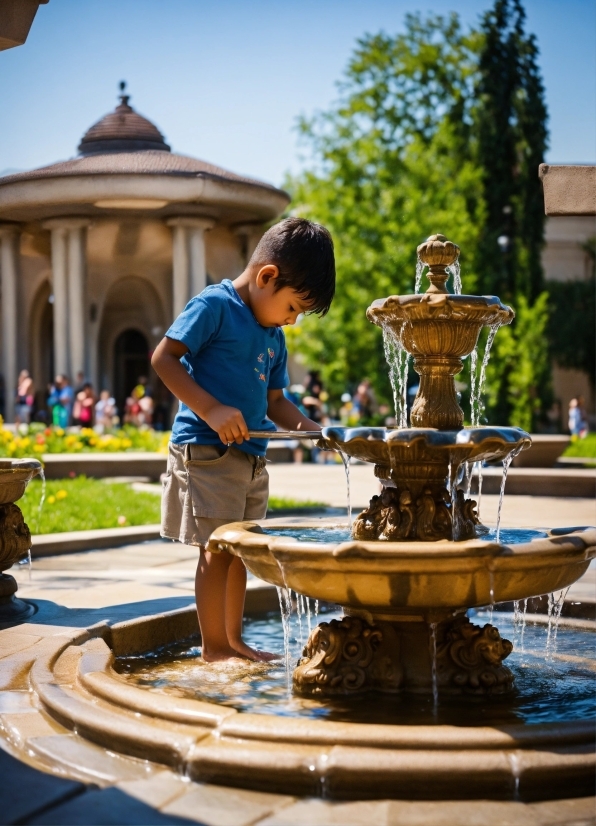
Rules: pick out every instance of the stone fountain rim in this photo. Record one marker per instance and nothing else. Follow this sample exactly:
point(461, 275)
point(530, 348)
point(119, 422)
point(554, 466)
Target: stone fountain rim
point(441, 438)
point(574, 540)
point(11, 465)
point(77, 685)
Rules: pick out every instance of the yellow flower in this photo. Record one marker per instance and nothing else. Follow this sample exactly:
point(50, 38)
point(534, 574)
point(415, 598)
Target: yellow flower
point(51, 500)
point(39, 448)
point(59, 431)
point(61, 494)
point(126, 443)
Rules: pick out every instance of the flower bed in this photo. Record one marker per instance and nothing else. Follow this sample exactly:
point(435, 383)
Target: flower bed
point(36, 439)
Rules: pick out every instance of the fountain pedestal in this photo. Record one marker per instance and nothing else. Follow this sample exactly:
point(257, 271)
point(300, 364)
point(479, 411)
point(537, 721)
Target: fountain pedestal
point(404, 653)
point(15, 537)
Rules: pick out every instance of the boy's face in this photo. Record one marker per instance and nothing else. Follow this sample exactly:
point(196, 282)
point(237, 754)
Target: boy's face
point(274, 308)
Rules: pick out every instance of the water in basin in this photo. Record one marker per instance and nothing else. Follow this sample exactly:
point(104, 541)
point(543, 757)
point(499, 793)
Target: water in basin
point(334, 534)
point(549, 688)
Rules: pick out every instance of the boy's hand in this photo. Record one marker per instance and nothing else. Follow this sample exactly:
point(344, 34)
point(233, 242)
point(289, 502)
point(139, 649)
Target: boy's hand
point(228, 423)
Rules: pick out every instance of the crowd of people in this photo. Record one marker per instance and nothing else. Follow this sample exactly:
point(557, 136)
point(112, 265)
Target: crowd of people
point(81, 406)
point(67, 406)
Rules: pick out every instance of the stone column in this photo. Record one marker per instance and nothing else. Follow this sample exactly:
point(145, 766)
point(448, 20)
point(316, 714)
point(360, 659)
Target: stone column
point(189, 274)
point(9, 255)
point(77, 304)
point(68, 286)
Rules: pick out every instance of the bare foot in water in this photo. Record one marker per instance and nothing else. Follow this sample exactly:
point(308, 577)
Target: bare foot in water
point(244, 650)
point(221, 655)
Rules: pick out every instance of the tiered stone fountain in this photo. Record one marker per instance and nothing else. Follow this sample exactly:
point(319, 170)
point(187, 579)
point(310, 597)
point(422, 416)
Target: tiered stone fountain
point(415, 563)
point(15, 537)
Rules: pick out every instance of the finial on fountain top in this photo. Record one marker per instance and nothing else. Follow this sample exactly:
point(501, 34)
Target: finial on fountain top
point(438, 253)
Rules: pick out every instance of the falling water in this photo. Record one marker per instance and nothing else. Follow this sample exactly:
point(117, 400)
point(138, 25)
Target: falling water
point(285, 606)
point(419, 270)
point(308, 616)
point(316, 607)
point(433, 655)
point(491, 594)
point(555, 607)
point(478, 466)
point(398, 361)
point(506, 462)
point(482, 377)
point(299, 613)
point(473, 379)
point(346, 461)
point(455, 270)
point(523, 628)
point(468, 487)
point(515, 771)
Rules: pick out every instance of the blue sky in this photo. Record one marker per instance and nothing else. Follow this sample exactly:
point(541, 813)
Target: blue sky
point(225, 80)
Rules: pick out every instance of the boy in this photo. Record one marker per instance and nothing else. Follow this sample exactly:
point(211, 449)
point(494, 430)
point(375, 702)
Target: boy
point(225, 359)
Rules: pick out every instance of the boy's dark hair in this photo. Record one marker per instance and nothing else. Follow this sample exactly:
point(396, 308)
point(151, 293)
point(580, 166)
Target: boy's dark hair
point(303, 253)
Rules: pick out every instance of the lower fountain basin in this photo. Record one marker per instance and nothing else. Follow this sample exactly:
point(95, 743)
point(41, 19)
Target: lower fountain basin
point(423, 579)
point(76, 682)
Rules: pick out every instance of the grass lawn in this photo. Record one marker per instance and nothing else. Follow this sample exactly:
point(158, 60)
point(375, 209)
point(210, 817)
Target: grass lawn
point(583, 448)
point(83, 504)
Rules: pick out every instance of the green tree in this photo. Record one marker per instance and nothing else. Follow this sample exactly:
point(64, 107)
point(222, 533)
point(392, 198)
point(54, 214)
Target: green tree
point(511, 141)
point(392, 166)
point(435, 130)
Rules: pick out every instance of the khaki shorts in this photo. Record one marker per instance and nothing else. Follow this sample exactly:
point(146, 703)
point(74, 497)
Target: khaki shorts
point(208, 486)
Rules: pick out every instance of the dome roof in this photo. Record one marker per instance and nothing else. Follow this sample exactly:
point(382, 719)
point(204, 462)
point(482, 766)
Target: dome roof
point(123, 130)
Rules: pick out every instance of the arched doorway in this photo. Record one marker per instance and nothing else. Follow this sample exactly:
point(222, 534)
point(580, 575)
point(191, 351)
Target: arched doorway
point(131, 361)
point(41, 345)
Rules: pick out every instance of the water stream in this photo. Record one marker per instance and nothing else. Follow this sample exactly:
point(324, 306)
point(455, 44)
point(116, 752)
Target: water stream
point(506, 462)
point(433, 661)
point(398, 361)
point(455, 271)
point(346, 462)
point(420, 267)
point(478, 408)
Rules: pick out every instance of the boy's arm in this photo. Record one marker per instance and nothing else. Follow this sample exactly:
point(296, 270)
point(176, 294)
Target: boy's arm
point(286, 415)
point(228, 422)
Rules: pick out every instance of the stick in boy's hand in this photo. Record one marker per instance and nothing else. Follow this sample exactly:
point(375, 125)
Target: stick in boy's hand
point(228, 423)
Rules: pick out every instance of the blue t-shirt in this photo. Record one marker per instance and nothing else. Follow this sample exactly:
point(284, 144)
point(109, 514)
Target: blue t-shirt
point(232, 357)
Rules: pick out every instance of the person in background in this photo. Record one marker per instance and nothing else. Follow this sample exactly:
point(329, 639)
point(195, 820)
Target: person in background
point(82, 411)
point(25, 397)
point(105, 411)
point(364, 400)
point(61, 400)
point(578, 426)
point(146, 405)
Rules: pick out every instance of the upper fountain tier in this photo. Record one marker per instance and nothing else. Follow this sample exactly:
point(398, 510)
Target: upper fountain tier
point(438, 329)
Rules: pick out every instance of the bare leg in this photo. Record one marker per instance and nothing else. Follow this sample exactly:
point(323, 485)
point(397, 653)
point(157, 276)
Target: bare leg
point(210, 591)
point(236, 591)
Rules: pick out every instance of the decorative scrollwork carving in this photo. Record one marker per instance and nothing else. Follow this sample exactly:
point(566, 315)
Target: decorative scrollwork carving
point(15, 537)
point(470, 657)
point(348, 655)
point(396, 516)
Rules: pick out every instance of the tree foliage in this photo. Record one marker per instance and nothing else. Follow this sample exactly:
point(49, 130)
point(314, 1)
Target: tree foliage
point(391, 170)
point(436, 129)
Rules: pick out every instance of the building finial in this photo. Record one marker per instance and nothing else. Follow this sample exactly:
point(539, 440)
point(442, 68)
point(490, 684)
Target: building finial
point(123, 98)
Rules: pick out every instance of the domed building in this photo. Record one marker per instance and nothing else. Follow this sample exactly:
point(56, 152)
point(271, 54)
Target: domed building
point(101, 252)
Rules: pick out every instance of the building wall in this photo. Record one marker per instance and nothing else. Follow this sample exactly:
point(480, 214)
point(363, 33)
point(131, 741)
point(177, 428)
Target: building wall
point(564, 259)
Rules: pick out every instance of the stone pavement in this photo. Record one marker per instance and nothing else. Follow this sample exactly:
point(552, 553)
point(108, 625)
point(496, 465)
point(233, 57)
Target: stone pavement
point(85, 784)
